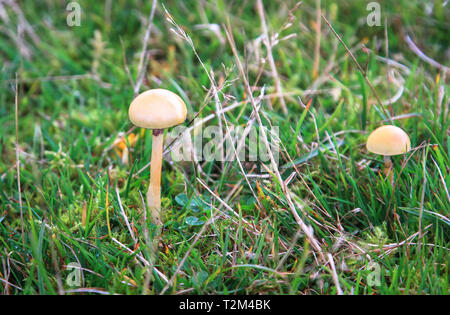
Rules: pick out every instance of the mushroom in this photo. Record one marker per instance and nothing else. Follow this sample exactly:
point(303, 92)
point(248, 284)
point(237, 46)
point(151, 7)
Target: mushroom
point(156, 109)
point(388, 140)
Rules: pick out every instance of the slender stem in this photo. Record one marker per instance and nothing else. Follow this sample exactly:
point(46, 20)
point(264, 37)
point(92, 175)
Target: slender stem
point(154, 189)
point(388, 170)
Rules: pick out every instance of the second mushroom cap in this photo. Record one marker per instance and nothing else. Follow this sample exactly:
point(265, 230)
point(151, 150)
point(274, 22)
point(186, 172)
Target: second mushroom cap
point(388, 140)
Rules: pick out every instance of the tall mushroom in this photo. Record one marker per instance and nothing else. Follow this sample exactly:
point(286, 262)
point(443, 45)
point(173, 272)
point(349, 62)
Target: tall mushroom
point(388, 140)
point(156, 109)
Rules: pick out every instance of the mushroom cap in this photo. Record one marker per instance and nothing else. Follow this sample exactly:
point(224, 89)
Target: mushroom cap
point(388, 140)
point(157, 109)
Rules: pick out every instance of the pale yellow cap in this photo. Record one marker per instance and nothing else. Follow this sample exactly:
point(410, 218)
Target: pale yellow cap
point(157, 109)
point(388, 140)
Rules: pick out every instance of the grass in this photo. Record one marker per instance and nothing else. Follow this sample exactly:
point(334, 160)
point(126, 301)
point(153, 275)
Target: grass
point(81, 203)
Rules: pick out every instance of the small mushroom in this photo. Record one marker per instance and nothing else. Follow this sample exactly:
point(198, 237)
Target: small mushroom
point(388, 140)
point(156, 109)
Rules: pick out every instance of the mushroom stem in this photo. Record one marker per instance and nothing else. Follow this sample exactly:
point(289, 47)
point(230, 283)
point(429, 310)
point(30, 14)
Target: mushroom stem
point(154, 189)
point(388, 169)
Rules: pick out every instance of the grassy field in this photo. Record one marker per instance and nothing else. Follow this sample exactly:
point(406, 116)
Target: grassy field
point(324, 220)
